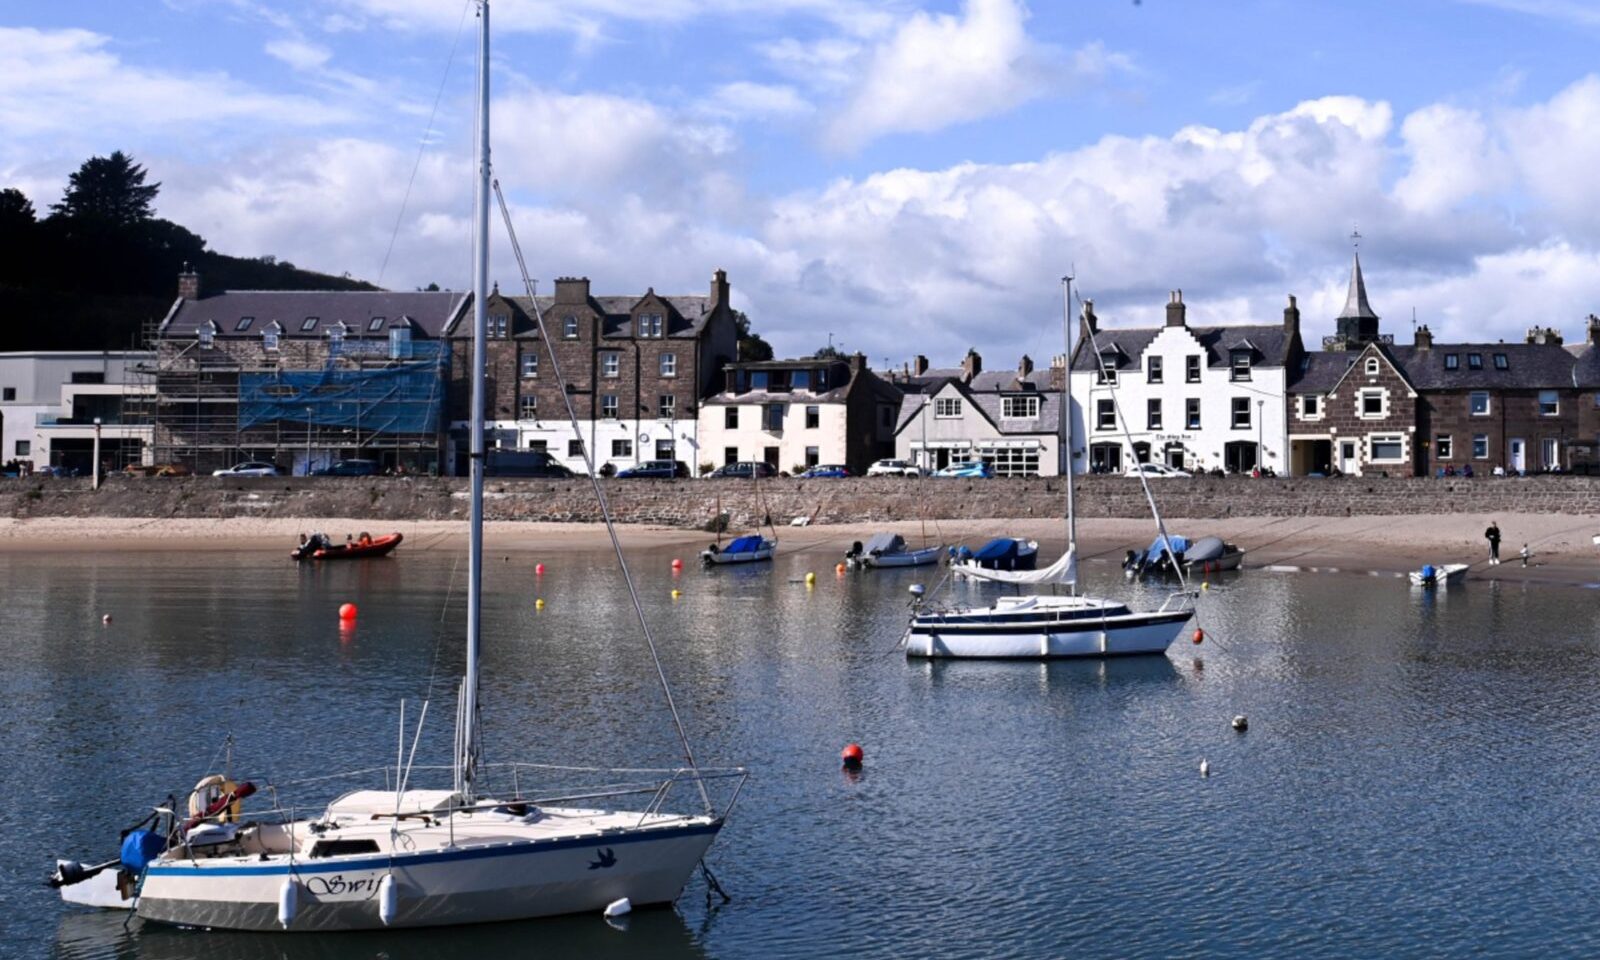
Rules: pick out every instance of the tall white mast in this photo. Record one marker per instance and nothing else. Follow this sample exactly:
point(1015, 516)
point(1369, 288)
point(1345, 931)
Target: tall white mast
point(1066, 408)
point(467, 734)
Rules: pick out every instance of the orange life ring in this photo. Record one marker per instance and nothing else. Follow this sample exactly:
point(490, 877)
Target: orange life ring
point(208, 791)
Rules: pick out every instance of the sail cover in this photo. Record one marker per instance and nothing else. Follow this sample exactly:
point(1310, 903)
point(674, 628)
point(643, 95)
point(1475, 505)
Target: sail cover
point(881, 543)
point(1064, 570)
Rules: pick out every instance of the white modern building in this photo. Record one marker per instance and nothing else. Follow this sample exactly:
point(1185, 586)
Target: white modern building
point(1196, 398)
point(1010, 419)
point(52, 403)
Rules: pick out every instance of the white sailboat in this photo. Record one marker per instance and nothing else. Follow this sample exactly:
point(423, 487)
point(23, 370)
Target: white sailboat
point(403, 857)
point(1048, 625)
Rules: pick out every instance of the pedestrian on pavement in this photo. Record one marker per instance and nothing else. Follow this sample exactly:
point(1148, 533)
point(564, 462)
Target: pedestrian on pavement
point(1525, 554)
point(1493, 536)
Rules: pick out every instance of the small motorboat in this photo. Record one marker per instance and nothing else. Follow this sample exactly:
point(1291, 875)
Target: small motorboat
point(1002, 553)
point(1205, 555)
point(889, 550)
point(319, 547)
point(741, 550)
point(1432, 576)
point(1211, 555)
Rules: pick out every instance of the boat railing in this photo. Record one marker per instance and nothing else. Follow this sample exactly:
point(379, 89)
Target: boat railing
point(1179, 600)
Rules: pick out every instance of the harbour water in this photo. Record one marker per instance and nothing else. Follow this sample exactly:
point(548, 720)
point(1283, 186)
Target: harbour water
point(1417, 779)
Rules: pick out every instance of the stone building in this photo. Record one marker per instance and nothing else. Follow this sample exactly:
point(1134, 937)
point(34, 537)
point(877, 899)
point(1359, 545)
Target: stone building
point(1010, 419)
point(637, 368)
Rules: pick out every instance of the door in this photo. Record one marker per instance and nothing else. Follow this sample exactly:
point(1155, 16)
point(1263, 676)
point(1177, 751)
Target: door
point(1239, 456)
point(1551, 458)
point(1347, 455)
point(1175, 457)
point(1519, 455)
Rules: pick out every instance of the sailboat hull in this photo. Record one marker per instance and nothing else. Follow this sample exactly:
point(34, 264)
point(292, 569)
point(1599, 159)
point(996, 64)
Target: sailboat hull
point(480, 883)
point(975, 637)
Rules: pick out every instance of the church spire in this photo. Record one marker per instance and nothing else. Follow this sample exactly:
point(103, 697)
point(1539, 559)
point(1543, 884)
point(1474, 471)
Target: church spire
point(1356, 306)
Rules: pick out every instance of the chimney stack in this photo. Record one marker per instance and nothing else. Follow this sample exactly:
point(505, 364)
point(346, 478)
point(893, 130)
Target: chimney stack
point(572, 289)
point(1091, 322)
point(719, 289)
point(1544, 335)
point(1424, 338)
point(188, 283)
point(1594, 329)
point(1176, 310)
point(919, 365)
point(1024, 367)
point(971, 366)
point(858, 362)
point(1291, 317)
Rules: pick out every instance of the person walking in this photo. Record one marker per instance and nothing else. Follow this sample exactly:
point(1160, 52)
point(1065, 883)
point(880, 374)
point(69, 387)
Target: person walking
point(1525, 554)
point(1493, 536)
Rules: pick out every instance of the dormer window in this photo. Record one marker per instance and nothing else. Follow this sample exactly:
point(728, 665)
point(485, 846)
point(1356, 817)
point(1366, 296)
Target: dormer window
point(207, 335)
point(309, 324)
point(269, 336)
point(1452, 361)
point(1239, 369)
point(336, 337)
point(244, 324)
point(1372, 366)
point(1474, 361)
point(1501, 362)
point(400, 343)
point(569, 328)
point(375, 324)
point(1108, 369)
point(650, 325)
point(498, 325)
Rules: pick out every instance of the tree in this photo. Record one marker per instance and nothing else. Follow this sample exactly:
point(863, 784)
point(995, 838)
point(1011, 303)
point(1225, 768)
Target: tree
point(16, 211)
point(830, 352)
point(751, 345)
point(109, 191)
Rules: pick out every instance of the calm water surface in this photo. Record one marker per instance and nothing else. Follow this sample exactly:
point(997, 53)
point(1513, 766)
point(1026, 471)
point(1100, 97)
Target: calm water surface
point(1417, 781)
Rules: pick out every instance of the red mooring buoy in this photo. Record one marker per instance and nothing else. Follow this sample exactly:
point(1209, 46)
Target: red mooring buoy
point(1199, 636)
point(852, 755)
point(347, 611)
point(538, 569)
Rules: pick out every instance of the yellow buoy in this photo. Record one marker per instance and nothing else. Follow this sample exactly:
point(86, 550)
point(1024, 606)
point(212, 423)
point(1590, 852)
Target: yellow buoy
point(1205, 585)
point(538, 604)
point(811, 578)
point(676, 594)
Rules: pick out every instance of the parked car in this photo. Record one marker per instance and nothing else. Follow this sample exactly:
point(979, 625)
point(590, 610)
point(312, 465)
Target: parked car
point(826, 470)
point(658, 469)
point(525, 463)
point(250, 468)
point(1154, 470)
point(972, 469)
point(349, 468)
point(894, 468)
point(746, 469)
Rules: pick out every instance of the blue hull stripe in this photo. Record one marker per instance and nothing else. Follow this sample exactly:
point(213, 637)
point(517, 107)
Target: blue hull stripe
point(512, 849)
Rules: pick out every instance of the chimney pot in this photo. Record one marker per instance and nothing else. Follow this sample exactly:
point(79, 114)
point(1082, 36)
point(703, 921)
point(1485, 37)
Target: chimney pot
point(1090, 321)
point(188, 283)
point(1177, 313)
point(719, 289)
point(1291, 317)
point(1424, 338)
point(971, 366)
point(1024, 367)
point(919, 365)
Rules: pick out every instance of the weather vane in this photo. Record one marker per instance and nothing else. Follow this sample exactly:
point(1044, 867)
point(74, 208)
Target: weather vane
point(1355, 238)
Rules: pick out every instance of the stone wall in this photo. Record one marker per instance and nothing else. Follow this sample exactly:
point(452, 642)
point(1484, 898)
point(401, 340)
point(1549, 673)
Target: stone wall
point(694, 502)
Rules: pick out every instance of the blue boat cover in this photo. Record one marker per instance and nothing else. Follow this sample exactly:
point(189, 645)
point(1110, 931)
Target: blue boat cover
point(1179, 545)
point(743, 545)
point(1004, 548)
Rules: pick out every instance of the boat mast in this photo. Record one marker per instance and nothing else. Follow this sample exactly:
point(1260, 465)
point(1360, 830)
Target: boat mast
point(467, 736)
point(1066, 410)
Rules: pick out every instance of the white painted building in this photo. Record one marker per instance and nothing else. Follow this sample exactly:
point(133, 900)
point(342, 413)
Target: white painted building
point(1010, 419)
point(49, 401)
point(1196, 398)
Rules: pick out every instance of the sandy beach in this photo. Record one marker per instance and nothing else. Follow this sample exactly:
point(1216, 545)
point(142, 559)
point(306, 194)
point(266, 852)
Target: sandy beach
point(1562, 547)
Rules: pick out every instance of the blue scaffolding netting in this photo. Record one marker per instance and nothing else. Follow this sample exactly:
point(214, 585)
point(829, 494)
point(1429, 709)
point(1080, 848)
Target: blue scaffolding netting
point(401, 398)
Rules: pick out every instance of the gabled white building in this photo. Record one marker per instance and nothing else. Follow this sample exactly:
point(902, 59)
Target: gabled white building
point(1010, 419)
point(1196, 398)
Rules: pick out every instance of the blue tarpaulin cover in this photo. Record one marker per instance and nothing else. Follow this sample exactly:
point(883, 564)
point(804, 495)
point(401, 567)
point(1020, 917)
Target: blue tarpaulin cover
point(1004, 548)
point(405, 397)
point(743, 545)
point(1179, 545)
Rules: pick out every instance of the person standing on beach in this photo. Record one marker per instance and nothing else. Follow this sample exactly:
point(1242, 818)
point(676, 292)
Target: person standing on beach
point(1493, 536)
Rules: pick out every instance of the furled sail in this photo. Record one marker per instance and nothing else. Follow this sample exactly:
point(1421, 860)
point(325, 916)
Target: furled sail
point(1064, 570)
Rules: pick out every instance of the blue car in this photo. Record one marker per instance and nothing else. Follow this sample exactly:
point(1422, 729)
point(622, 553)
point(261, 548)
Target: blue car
point(833, 470)
point(971, 469)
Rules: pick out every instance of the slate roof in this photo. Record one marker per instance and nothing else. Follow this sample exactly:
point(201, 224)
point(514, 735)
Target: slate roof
point(1529, 366)
point(694, 311)
point(1320, 370)
point(1270, 340)
point(988, 401)
point(430, 313)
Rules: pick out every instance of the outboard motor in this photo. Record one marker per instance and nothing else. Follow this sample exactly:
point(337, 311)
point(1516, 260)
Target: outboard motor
point(1130, 560)
point(856, 549)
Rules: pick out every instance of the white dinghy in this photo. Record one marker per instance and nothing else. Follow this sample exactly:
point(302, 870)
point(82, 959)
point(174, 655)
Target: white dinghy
point(1442, 575)
point(483, 849)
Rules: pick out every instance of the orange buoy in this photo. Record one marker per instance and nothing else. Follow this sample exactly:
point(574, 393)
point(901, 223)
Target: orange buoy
point(347, 611)
point(852, 755)
point(1199, 636)
point(839, 568)
point(538, 569)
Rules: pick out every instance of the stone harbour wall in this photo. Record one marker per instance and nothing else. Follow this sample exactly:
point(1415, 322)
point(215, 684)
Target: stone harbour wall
point(693, 503)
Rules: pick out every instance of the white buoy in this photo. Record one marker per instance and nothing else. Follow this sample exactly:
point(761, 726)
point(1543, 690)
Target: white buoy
point(917, 589)
point(619, 908)
point(1205, 767)
point(288, 902)
point(1240, 723)
point(388, 899)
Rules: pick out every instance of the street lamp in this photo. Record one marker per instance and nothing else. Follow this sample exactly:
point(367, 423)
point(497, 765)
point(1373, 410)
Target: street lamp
point(1261, 450)
point(97, 453)
point(308, 441)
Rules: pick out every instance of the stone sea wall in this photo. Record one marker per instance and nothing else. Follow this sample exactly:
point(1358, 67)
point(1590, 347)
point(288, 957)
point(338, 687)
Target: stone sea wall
point(695, 502)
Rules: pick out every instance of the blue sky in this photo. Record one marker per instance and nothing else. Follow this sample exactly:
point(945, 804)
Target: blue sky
point(912, 176)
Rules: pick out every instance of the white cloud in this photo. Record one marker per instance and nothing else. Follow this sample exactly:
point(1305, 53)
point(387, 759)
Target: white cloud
point(756, 100)
point(299, 54)
point(1557, 152)
point(1454, 158)
point(1580, 12)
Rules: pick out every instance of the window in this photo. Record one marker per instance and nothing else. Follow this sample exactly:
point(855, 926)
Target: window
point(308, 324)
point(650, 325)
point(730, 456)
point(822, 380)
point(208, 336)
point(1240, 366)
point(1011, 461)
point(800, 379)
point(1019, 408)
point(1241, 413)
point(1105, 415)
point(569, 328)
point(400, 343)
point(1474, 361)
point(1549, 403)
point(1374, 404)
point(1108, 368)
point(1480, 446)
point(575, 448)
point(946, 408)
point(608, 406)
point(666, 406)
point(542, 446)
point(1390, 448)
point(1191, 369)
point(1442, 446)
point(1310, 407)
point(530, 363)
point(1452, 361)
point(243, 324)
point(1501, 362)
point(335, 338)
point(1191, 413)
point(269, 338)
point(375, 324)
point(1153, 372)
point(1478, 403)
point(498, 324)
point(87, 376)
point(813, 417)
point(758, 379)
point(528, 407)
point(1152, 414)
point(1372, 366)
point(669, 364)
point(772, 417)
point(666, 450)
point(622, 448)
point(730, 418)
point(24, 448)
point(610, 364)
point(8, 393)
point(813, 456)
